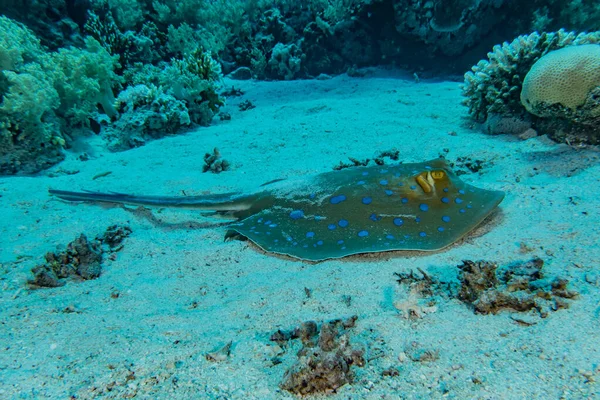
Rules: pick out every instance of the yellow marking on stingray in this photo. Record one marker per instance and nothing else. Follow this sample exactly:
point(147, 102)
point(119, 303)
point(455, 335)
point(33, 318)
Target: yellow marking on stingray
point(427, 188)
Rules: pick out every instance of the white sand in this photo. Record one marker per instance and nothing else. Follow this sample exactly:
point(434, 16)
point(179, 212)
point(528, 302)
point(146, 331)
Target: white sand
point(150, 343)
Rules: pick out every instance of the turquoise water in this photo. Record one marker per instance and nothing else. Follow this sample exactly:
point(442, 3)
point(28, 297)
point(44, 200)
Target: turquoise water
point(178, 277)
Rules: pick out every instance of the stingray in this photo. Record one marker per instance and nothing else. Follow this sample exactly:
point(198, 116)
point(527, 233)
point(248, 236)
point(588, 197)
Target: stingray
point(421, 206)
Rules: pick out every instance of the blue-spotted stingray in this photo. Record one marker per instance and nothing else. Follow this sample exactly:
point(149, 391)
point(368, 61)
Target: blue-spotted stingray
point(421, 206)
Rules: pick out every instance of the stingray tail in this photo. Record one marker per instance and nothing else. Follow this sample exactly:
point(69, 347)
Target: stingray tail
point(215, 202)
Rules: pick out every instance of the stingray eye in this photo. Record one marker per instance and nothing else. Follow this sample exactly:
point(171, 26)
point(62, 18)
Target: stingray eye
point(437, 174)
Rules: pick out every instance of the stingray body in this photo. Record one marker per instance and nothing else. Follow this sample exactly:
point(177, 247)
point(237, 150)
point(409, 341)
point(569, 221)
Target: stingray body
point(420, 206)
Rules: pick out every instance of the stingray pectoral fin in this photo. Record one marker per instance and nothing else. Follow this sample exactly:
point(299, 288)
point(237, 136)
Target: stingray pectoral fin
point(290, 232)
point(283, 232)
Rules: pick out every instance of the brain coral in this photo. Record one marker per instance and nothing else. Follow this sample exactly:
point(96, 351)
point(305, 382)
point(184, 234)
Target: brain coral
point(562, 79)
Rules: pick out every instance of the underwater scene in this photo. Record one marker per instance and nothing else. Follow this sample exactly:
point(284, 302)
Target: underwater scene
point(320, 199)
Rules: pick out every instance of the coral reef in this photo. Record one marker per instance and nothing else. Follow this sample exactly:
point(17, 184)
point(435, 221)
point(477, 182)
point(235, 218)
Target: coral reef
point(493, 88)
point(449, 26)
point(325, 360)
point(81, 260)
point(67, 61)
point(520, 287)
point(45, 96)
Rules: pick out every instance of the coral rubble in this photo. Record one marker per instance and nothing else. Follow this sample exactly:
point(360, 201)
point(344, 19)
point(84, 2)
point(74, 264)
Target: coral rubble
point(81, 260)
point(325, 360)
point(520, 287)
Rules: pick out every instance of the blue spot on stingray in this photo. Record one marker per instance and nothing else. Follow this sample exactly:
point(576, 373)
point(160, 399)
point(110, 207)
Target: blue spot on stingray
point(445, 200)
point(276, 240)
point(404, 200)
point(310, 234)
point(412, 187)
point(365, 173)
point(446, 190)
point(273, 226)
point(469, 205)
point(363, 233)
point(343, 223)
point(383, 171)
point(305, 246)
point(458, 200)
point(399, 183)
point(343, 247)
point(441, 228)
point(423, 207)
point(446, 218)
point(374, 217)
point(337, 199)
point(253, 228)
point(422, 234)
point(312, 195)
point(462, 210)
point(268, 233)
point(367, 200)
point(320, 242)
point(389, 237)
point(461, 191)
point(268, 222)
point(259, 220)
point(427, 167)
point(340, 241)
point(331, 227)
point(418, 219)
point(296, 214)
point(397, 174)
point(295, 244)
point(398, 221)
point(360, 182)
point(388, 192)
point(383, 182)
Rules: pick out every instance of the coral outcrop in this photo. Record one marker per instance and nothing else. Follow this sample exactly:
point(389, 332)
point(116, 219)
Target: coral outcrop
point(493, 87)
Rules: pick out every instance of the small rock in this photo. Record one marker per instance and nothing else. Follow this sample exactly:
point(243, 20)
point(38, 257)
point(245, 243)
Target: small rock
point(528, 134)
point(323, 77)
point(221, 354)
point(241, 74)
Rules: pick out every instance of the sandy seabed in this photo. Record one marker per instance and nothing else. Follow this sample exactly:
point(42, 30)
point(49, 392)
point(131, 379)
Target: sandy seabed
point(174, 294)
